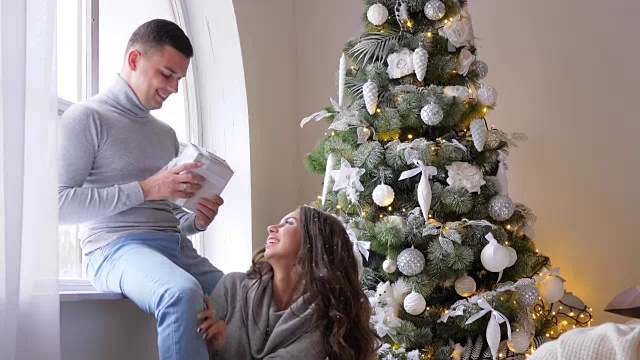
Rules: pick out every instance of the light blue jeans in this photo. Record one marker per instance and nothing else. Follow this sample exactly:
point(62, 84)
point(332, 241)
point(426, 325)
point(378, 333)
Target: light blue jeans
point(164, 275)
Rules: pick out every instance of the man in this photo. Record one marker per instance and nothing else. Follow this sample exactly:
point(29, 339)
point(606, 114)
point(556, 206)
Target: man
point(135, 240)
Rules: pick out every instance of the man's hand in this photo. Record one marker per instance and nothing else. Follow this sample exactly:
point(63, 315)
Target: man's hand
point(170, 183)
point(206, 211)
point(213, 330)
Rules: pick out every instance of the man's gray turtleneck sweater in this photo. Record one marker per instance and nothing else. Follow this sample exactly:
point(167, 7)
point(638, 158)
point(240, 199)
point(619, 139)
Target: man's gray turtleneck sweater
point(107, 145)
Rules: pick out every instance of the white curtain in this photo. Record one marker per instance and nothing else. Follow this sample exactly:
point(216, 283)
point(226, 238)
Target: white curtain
point(29, 300)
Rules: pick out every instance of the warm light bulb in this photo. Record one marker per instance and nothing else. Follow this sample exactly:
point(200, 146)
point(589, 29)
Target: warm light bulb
point(333, 133)
point(389, 208)
point(429, 35)
point(409, 136)
point(508, 227)
point(338, 207)
point(378, 110)
point(484, 110)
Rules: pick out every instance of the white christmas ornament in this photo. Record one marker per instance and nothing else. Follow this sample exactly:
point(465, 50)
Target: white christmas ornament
point(462, 174)
point(420, 62)
point(327, 177)
point(465, 285)
point(550, 284)
point(424, 187)
point(465, 59)
point(377, 14)
point(461, 92)
point(431, 114)
point(519, 341)
point(487, 95)
point(501, 207)
point(348, 178)
point(493, 327)
point(389, 266)
point(481, 68)
point(513, 256)
point(410, 262)
point(458, 31)
point(501, 176)
point(342, 75)
point(414, 303)
point(434, 10)
point(370, 93)
point(479, 133)
point(400, 64)
point(494, 257)
point(383, 195)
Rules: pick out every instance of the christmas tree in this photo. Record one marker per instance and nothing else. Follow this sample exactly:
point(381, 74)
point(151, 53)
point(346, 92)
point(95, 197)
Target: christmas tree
point(420, 181)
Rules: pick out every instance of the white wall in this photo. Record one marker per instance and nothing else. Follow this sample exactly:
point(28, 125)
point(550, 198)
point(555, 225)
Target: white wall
point(106, 330)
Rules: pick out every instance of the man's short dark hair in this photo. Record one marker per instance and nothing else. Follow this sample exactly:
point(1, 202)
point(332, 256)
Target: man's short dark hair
point(155, 34)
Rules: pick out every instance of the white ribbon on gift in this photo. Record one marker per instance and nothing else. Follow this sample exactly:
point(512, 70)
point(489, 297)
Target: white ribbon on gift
point(361, 247)
point(424, 187)
point(493, 328)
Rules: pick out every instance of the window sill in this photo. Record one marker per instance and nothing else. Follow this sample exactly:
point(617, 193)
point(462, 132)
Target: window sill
point(82, 290)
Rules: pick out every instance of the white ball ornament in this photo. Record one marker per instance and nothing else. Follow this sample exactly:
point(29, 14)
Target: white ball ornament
point(414, 303)
point(377, 14)
point(551, 289)
point(389, 266)
point(494, 257)
point(383, 195)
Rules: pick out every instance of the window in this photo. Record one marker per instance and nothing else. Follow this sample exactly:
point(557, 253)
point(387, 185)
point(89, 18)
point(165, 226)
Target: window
point(91, 40)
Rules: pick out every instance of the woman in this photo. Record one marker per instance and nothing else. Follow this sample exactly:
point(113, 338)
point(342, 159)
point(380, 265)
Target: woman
point(301, 298)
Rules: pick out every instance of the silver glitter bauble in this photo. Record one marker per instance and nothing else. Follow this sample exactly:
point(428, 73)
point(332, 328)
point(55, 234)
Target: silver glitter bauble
point(431, 114)
point(501, 207)
point(465, 286)
point(410, 262)
point(434, 9)
point(527, 296)
point(481, 68)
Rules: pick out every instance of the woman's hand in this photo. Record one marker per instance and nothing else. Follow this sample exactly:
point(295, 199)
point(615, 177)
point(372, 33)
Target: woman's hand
point(213, 330)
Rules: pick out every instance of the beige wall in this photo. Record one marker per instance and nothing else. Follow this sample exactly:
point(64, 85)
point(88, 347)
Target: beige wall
point(267, 38)
point(566, 73)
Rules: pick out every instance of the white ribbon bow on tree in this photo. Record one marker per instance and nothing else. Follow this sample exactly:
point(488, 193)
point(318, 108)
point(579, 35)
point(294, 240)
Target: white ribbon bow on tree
point(424, 187)
point(359, 247)
point(493, 328)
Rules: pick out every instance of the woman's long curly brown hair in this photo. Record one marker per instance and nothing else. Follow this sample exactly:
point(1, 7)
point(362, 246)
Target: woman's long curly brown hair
point(329, 273)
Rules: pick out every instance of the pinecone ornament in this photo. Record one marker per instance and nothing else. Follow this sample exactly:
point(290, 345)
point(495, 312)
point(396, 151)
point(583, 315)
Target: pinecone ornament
point(370, 93)
point(479, 133)
point(420, 61)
